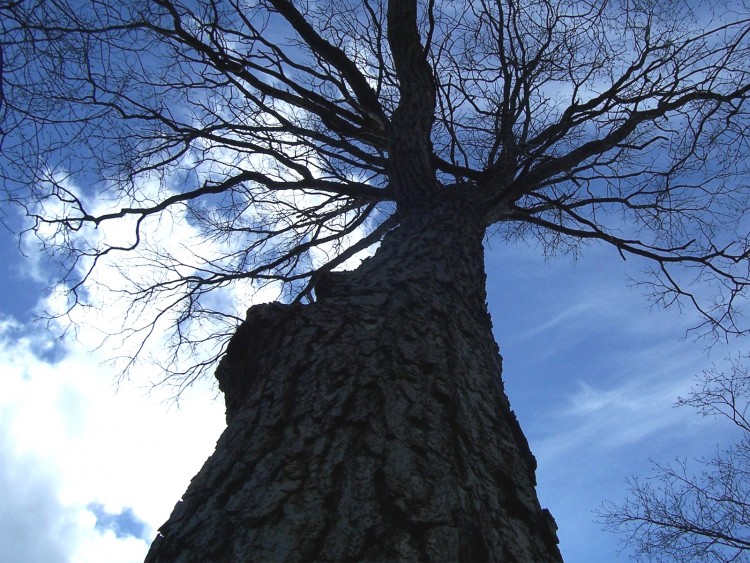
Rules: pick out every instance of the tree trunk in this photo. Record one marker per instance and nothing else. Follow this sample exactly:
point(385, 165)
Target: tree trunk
point(372, 424)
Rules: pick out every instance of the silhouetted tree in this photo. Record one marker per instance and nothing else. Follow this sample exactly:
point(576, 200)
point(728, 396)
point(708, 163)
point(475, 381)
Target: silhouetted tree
point(366, 417)
point(679, 516)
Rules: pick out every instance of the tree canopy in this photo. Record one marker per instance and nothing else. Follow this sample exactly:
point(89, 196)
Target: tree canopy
point(290, 136)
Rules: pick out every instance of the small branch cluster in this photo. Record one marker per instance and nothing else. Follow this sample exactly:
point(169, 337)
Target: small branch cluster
point(679, 516)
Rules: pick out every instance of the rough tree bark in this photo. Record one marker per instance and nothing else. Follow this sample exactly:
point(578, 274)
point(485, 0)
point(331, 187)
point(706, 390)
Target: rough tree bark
point(372, 424)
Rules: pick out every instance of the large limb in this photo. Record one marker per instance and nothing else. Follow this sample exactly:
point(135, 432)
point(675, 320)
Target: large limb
point(411, 171)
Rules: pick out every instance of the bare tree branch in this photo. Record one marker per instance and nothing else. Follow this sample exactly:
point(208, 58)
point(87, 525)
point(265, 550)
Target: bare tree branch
point(679, 516)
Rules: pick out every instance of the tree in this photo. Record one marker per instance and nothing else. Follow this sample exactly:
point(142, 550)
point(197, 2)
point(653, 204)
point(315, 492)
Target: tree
point(366, 414)
point(679, 516)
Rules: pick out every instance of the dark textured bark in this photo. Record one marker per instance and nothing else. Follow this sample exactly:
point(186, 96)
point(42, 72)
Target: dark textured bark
point(372, 424)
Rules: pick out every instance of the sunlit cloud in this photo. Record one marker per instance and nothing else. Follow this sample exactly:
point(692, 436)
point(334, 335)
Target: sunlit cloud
point(88, 474)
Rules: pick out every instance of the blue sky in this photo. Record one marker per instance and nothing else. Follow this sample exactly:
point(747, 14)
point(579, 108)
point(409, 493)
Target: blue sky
point(593, 371)
point(89, 469)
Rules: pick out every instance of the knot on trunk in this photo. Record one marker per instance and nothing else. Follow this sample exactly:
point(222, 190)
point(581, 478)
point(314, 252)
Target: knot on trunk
point(335, 284)
point(251, 350)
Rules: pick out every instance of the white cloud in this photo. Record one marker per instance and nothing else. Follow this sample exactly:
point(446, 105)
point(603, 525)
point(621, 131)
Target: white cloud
point(68, 440)
point(33, 524)
point(74, 444)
